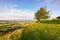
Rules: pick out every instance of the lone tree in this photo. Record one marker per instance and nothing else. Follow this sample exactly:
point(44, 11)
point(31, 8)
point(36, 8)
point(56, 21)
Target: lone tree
point(42, 13)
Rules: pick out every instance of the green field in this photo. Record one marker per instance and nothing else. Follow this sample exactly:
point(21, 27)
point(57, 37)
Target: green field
point(35, 31)
point(6, 27)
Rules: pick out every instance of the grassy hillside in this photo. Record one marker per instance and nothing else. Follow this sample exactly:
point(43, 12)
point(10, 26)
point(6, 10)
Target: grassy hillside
point(38, 31)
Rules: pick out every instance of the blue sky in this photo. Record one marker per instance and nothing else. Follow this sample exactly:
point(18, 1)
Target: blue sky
point(25, 9)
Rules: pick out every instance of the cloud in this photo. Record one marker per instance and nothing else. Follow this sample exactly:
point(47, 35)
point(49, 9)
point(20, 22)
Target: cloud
point(56, 3)
point(45, 0)
point(15, 14)
point(49, 1)
point(37, 0)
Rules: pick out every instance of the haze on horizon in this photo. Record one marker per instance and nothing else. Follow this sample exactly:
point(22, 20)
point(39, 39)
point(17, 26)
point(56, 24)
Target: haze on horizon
point(25, 9)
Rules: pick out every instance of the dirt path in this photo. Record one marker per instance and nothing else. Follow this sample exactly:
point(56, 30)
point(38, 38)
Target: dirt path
point(6, 35)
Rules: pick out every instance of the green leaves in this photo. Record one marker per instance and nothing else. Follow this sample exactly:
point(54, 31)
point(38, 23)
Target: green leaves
point(42, 13)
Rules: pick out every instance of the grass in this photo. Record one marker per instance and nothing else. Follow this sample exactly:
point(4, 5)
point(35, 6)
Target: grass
point(38, 31)
point(31, 31)
point(4, 27)
point(51, 21)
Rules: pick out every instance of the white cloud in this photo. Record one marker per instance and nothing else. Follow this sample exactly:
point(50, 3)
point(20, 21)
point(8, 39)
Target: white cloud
point(49, 0)
point(38, 0)
point(15, 14)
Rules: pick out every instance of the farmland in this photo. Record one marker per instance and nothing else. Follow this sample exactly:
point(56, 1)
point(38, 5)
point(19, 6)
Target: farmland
point(30, 30)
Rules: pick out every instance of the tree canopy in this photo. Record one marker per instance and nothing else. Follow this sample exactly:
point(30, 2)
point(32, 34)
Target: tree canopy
point(42, 13)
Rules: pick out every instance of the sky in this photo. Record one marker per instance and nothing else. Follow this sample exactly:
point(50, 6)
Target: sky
point(25, 9)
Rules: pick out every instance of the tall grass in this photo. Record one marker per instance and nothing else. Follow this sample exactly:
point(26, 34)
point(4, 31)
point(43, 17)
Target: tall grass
point(38, 31)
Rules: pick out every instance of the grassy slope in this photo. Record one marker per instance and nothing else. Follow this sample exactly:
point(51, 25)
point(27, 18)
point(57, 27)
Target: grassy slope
point(38, 31)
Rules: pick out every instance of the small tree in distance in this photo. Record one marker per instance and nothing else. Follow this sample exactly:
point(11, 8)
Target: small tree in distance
point(42, 13)
point(58, 18)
